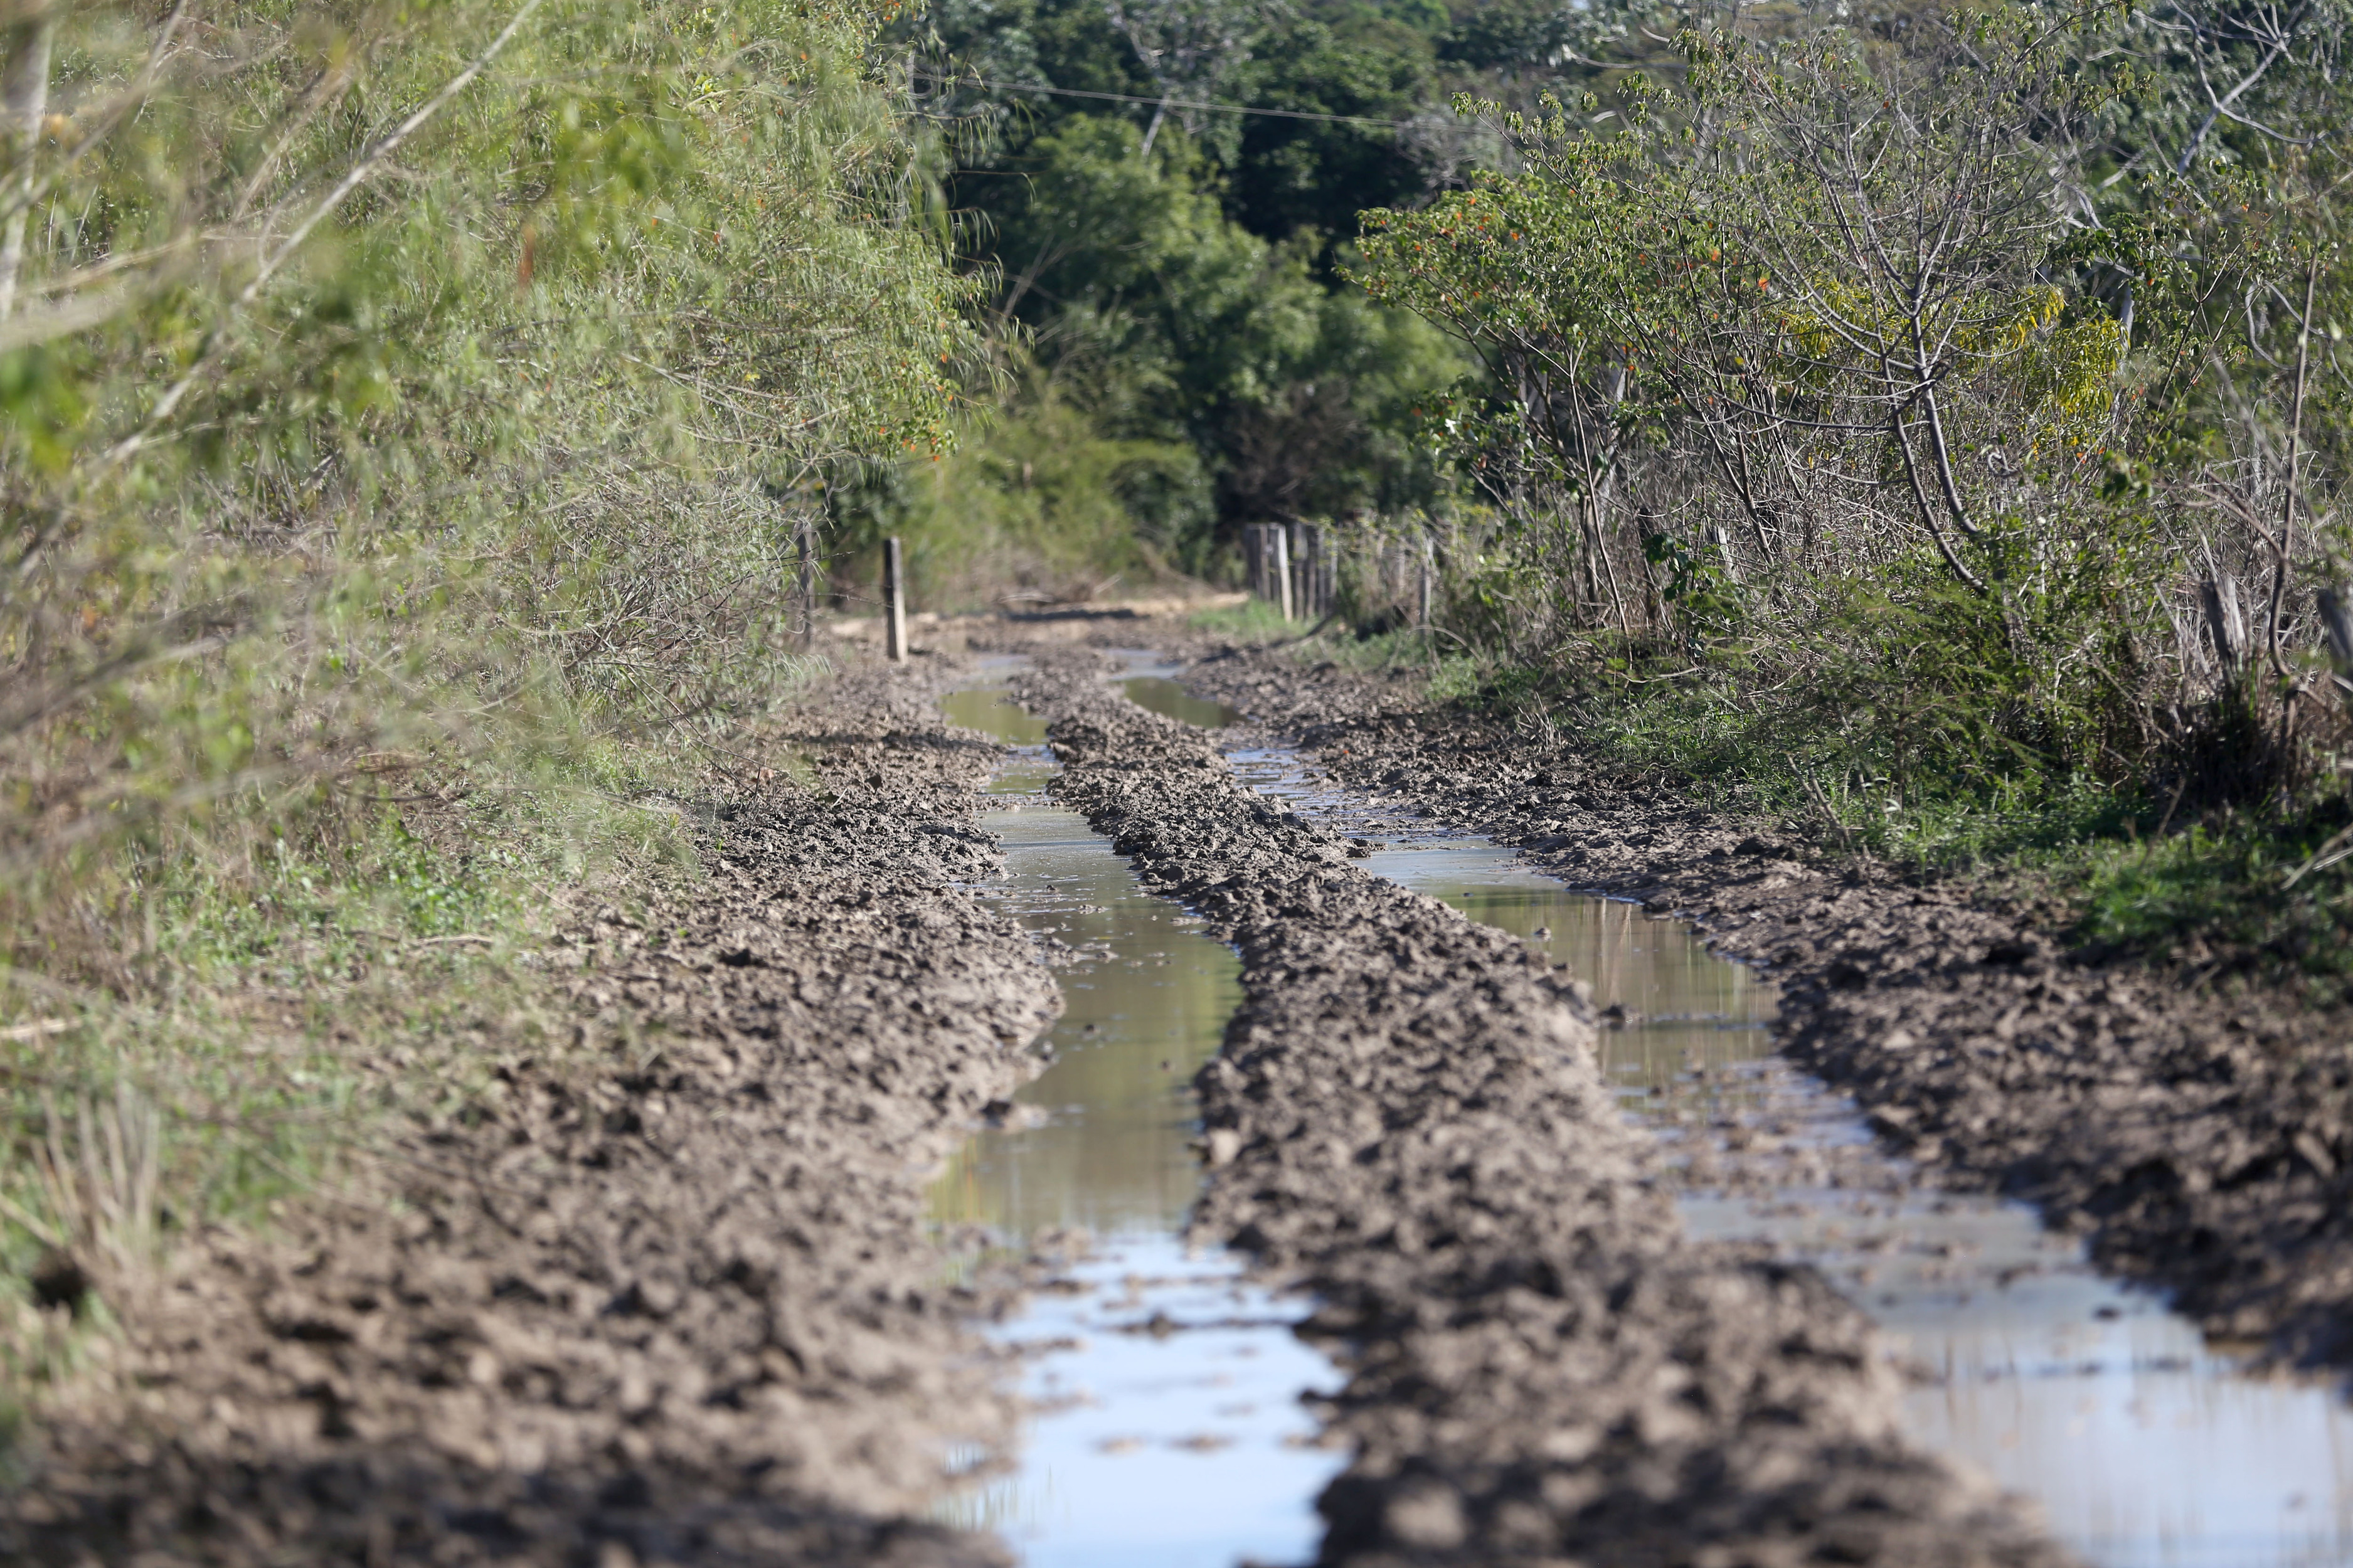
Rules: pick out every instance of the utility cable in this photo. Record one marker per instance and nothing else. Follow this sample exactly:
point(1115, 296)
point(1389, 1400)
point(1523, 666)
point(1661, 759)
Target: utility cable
point(1155, 103)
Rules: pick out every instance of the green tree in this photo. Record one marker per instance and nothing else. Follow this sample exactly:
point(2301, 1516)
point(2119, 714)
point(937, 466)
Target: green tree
point(1182, 325)
point(1804, 371)
point(1171, 272)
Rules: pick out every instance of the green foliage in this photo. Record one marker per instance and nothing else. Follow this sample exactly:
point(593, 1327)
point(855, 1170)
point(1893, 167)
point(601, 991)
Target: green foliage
point(1862, 436)
point(1036, 503)
point(513, 426)
point(403, 414)
point(1286, 176)
point(1276, 175)
point(1921, 685)
point(1219, 379)
point(1700, 590)
point(2238, 898)
point(1187, 296)
point(1254, 620)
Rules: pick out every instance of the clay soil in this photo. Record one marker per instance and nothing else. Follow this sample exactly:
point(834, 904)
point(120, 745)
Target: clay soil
point(671, 1295)
point(2200, 1141)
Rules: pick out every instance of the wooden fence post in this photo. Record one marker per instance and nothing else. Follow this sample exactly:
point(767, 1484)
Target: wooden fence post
point(2336, 630)
point(1281, 537)
point(1426, 575)
point(805, 589)
point(894, 596)
point(2226, 623)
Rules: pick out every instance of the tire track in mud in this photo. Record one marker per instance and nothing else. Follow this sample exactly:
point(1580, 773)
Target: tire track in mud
point(1407, 1118)
point(2202, 1143)
point(668, 1295)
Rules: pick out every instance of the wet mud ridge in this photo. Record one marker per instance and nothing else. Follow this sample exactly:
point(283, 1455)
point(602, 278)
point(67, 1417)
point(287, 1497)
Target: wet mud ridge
point(1406, 1117)
point(671, 1295)
point(2201, 1143)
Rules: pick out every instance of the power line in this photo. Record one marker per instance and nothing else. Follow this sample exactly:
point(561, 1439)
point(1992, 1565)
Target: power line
point(1158, 103)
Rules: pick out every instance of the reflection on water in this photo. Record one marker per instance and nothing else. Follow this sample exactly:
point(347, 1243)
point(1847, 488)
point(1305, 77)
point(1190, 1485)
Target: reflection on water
point(1179, 1441)
point(1683, 1007)
point(1164, 697)
point(2143, 1448)
point(989, 710)
point(1168, 1431)
point(1143, 1013)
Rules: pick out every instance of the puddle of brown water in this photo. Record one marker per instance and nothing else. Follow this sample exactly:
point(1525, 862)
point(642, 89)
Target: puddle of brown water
point(994, 714)
point(1164, 697)
point(2143, 1448)
point(1687, 1008)
point(1143, 1013)
point(1168, 1431)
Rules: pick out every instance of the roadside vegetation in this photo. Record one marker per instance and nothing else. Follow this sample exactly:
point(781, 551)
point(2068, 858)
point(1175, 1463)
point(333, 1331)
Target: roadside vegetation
point(1181, 351)
point(412, 423)
point(1926, 425)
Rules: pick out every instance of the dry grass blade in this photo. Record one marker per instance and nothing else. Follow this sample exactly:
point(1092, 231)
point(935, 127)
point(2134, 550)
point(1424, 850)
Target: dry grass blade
point(98, 1184)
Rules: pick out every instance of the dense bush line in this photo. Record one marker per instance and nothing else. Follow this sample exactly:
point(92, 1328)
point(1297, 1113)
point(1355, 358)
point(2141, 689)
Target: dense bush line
point(1935, 422)
point(1180, 355)
point(411, 417)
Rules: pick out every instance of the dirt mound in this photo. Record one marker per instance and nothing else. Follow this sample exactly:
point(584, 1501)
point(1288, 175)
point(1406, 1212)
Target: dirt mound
point(2203, 1143)
point(1406, 1117)
point(670, 1297)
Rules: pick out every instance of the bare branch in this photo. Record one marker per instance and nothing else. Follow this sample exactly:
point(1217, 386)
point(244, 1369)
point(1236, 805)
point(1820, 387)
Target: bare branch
point(357, 175)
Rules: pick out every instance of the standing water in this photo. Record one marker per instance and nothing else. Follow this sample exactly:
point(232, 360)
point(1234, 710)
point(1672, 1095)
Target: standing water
point(1167, 1430)
point(1171, 1435)
point(2143, 1448)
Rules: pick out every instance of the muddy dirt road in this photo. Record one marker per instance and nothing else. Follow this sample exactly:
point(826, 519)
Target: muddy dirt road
point(1408, 1115)
point(672, 1295)
point(2203, 1143)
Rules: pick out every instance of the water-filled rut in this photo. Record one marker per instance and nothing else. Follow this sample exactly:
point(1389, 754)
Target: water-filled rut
point(2002, 1350)
point(1166, 1428)
point(2142, 1446)
point(1407, 1118)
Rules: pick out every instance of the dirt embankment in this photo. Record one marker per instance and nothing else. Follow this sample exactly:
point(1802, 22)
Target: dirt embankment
point(1406, 1116)
point(2203, 1142)
point(669, 1297)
